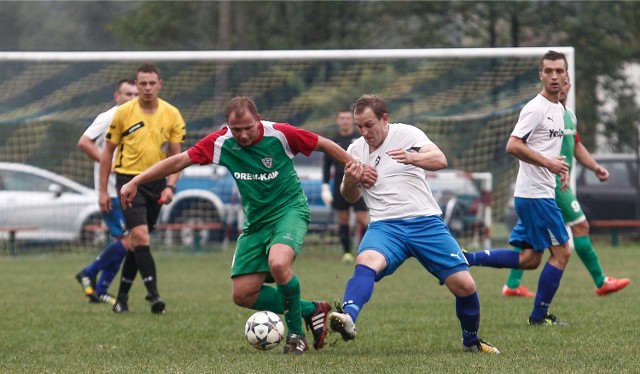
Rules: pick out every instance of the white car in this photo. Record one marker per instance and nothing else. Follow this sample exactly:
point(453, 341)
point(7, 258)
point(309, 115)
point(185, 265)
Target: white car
point(48, 206)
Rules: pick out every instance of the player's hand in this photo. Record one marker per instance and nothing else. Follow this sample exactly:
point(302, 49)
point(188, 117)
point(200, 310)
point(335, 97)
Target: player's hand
point(127, 194)
point(401, 155)
point(353, 172)
point(601, 173)
point(369, 177)
point(105, 202)
point(564, 180)
point(558, 165)
point(326, 194)
point(166, 196)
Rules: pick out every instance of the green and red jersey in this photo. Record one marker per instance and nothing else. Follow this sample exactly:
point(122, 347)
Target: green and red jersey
point(264, 171)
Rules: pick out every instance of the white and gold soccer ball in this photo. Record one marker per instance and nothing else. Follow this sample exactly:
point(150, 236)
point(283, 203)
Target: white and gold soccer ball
point(264, 330)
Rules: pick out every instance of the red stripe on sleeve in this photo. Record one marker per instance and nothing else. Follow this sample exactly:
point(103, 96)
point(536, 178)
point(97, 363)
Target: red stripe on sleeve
point(202, 152)
point(300, 141)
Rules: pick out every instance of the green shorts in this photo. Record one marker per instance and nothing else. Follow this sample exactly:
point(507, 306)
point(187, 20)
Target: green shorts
point(252, 247)
point(568, 203)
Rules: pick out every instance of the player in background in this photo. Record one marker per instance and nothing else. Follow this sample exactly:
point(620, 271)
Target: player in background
point(572, 213)
point(405, 219)
point(333, 198)
point(108, 261)
point(259, 155)
point(536, 141)
point(145, 130)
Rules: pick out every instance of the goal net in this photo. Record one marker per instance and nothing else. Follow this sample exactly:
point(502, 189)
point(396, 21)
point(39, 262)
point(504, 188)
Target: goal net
point(466, 100)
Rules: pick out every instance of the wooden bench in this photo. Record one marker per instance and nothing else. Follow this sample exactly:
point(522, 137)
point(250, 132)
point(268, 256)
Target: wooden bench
point(12, 230)
point(614, 225)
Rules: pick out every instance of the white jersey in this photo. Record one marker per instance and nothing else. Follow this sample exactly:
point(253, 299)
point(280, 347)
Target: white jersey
point(96, 132)
point(401, 191)
point(541, 126)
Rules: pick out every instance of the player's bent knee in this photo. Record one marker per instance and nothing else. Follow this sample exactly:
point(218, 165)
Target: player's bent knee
point(529, 259)
point(461, 284)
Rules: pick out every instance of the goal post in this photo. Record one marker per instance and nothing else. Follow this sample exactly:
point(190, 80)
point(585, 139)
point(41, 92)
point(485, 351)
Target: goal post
point(467, 100)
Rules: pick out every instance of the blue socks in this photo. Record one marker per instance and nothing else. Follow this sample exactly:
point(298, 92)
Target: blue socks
point(468, 312)
point(495, 258)
point(547, 286)
point(115, 253)
point(112, 251)
point(359, 290)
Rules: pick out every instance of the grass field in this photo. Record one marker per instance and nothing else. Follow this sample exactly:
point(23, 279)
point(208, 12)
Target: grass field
point(409, 326)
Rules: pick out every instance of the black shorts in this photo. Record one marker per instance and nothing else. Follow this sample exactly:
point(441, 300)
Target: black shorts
point(145, 209)
point(339, 203)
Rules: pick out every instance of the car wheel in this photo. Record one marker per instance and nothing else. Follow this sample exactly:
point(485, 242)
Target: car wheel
point(92, 233)
point(192, 213)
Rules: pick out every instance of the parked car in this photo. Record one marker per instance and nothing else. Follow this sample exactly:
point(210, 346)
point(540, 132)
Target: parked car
point(208, 194)
point(459, 199)
point(58, 208)
point(616, 198)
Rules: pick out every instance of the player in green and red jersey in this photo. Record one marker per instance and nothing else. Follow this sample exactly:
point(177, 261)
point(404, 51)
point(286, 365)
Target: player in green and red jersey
point(572, 213)
point(259, 155)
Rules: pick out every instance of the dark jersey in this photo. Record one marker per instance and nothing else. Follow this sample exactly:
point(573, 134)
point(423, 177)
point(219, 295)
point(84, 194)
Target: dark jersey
point(338, 172)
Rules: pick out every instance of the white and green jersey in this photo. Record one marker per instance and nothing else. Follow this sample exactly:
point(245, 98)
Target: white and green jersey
point(569, 140)
point(264, 171)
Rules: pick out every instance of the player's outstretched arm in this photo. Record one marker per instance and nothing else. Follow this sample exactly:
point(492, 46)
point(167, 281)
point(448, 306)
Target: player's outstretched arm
point(168, 166)
point(334, 151)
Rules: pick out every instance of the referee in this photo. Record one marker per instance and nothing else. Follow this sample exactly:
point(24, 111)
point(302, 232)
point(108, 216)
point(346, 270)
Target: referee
point(144, 131)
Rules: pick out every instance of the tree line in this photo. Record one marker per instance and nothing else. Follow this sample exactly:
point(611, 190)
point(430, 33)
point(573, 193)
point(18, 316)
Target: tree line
point(603, 33)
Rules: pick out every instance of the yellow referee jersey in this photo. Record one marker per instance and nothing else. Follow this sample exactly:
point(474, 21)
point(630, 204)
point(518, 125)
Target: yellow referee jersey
point(142, 139)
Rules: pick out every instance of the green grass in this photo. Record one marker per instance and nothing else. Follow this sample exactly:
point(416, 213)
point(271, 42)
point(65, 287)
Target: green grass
point(46, 325)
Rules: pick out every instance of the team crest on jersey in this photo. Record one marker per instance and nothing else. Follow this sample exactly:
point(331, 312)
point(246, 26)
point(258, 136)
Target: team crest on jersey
point(267, 161)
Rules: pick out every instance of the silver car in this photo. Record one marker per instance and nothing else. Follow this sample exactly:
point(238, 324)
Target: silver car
point(46, 206)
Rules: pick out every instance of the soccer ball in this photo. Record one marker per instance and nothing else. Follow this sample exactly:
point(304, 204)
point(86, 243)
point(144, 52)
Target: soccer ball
point(264, 330)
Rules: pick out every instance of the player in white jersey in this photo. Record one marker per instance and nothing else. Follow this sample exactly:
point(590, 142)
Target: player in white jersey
point(536, 141)
point(405, 219)
point(108, 261)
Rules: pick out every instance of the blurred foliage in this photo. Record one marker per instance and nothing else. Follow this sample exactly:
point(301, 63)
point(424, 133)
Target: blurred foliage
point(603, 33)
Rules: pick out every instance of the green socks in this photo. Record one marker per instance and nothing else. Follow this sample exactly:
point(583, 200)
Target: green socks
point(270, 299)
point(515, 275)
point(589, 258)
point(290, 293)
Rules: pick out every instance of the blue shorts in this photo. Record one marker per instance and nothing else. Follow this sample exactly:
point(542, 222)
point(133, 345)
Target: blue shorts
point(540, 224)
point(426, 238)
point(115, 219)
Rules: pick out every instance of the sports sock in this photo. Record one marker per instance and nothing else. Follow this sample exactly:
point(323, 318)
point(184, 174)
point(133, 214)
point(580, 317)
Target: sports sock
point(104, 258)
point(359, 290)
point(129, 271)
point(270, 299)
point(589, 258)
point(547, 286)
point(110, 269)
point(147, 268)
point(345, 239)
point(468, 312)
point(515, 275)
point(495, 258)
point(290, 294)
